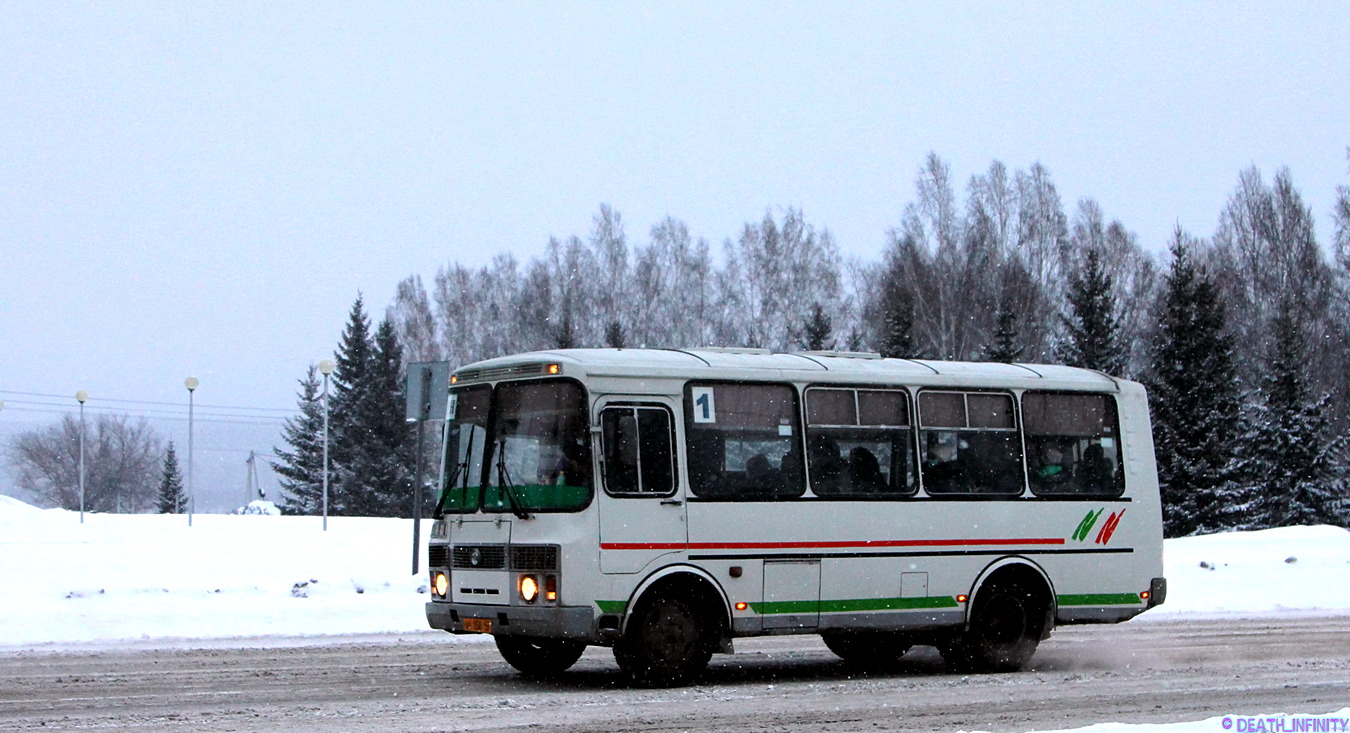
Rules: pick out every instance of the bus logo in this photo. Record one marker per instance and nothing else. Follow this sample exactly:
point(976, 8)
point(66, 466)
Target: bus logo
point(475, 557)
point(1090, 521)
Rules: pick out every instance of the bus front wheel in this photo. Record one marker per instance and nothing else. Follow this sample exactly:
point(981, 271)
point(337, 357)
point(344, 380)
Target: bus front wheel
point(665, 643)
point(1004, 631)
point(539, 657)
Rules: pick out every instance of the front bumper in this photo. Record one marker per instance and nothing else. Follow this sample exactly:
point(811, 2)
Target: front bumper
point(554, 622)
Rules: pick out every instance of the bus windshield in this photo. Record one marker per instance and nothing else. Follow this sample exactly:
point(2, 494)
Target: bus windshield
point(537, 457)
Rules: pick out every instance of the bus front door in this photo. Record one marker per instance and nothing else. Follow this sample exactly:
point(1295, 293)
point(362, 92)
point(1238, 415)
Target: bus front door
point(642, 512)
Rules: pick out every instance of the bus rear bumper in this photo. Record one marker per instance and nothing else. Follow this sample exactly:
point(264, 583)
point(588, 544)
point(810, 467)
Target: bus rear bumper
point(554, 622)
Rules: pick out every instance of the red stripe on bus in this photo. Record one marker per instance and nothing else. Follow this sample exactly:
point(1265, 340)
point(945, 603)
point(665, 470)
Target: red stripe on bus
point(823, 545)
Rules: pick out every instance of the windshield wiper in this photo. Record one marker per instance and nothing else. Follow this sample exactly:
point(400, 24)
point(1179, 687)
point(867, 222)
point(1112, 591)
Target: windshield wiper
point(505, 484)
point(460, 468)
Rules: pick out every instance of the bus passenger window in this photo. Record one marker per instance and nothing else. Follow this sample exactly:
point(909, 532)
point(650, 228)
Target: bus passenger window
point(743, 441)
point(970, 444)
point(859, 443)
point(1073, 446)
point(639, 460)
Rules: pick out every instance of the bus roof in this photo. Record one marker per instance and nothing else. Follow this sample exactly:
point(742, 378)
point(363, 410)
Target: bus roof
point(716, 363)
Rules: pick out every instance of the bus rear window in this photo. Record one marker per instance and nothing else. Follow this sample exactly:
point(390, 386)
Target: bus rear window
point(1073, 444)
point(743, 441)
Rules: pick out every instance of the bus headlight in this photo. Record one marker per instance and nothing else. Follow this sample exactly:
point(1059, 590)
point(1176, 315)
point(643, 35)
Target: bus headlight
point(442, 584)
point(529, 588)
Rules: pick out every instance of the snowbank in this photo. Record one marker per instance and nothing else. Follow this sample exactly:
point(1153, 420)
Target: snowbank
point(152, 576)
point(1265, 572)
point(121, 577)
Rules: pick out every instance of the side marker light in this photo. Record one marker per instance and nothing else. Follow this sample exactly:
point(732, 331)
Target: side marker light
point(961, 598)
point(742, 606)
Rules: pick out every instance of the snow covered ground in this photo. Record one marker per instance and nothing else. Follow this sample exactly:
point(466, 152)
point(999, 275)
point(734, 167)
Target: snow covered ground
point(127, 577)
point(119, 579)
point(1336, 722)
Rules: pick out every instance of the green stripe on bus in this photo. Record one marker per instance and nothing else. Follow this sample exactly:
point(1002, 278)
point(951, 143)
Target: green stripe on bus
point(1100, 599)
point(770, 608)
point(611, 606)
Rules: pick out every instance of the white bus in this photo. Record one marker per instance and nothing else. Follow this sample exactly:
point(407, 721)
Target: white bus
point(665, 502)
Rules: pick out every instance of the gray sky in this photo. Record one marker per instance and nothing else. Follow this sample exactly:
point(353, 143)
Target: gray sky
point(203, 188)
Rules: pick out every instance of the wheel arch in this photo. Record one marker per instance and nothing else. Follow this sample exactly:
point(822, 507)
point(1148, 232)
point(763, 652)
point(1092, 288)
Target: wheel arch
point(694, 580)
point(1023, 571)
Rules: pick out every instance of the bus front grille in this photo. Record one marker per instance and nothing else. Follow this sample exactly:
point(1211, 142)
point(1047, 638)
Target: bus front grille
point(481, 557)
point(534, 557)
point(438, 556)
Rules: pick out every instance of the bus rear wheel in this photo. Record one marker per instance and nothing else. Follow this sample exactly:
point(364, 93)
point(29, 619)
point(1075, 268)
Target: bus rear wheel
point(539, 657)
point(666, 643)
point(1005, 629)
point(867, 648)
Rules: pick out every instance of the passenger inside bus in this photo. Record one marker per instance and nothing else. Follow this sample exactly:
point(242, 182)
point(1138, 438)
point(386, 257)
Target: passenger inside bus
point(826, 467)
point(1052, 468)
point(864, 472)
point(1095, 472)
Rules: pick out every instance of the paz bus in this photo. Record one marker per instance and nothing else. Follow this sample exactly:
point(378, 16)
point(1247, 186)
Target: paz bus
point(666, 502)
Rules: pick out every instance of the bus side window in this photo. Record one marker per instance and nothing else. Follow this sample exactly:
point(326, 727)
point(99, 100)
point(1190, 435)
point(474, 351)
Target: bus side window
point(743, 441)
point(638, 451)
point(970, 443)
point(1073, 445)
point(859, 442)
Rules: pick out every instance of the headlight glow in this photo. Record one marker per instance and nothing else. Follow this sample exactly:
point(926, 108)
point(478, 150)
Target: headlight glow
point(442, 584)
point(529, 588)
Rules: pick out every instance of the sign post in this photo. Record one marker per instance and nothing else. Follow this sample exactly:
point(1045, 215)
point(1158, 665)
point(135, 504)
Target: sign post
point(427, 391)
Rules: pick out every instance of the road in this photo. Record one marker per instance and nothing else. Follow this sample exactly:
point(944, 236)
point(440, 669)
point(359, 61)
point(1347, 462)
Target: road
point(1144, 671)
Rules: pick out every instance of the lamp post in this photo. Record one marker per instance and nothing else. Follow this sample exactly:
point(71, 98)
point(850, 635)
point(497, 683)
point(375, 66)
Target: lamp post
point(80, 397)
point(325, 368)
point(191, 383)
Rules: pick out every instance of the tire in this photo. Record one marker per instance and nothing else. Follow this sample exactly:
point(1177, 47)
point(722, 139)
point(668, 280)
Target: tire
point(867, 648)
point(539, 657)
point(667, 643)
point(1005, 629)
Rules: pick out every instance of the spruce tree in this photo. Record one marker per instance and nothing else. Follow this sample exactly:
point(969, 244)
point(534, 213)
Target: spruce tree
point(1006, 346)
point(380, 470)
point(615, 338)
point(818, 330)
point(1093, 330)
point(172, 497)
point(346, 433)
point(897, 314)
point(300, 467)
point(1292, 465)
point(1193, 396)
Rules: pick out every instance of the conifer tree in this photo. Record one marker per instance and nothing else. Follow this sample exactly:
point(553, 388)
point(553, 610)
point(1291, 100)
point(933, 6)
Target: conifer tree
point(379, 474)
point(1093, 331)
point(300, 466)
point(1005, 347)
point(350, 377)
point(897, 314)
point(615, 338)
point(172, 497)
point(818, 330)
point(1193, 396)
point(1292, 465)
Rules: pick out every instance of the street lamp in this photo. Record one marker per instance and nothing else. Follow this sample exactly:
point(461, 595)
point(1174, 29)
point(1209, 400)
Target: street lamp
point(191, 384)
point(325, 368)
point(81, 396)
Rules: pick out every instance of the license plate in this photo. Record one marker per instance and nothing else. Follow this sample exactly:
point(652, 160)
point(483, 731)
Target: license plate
point(481, 625)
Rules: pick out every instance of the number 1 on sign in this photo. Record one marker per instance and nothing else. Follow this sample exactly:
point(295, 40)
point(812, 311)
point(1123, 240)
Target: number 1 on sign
point(705, 410)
